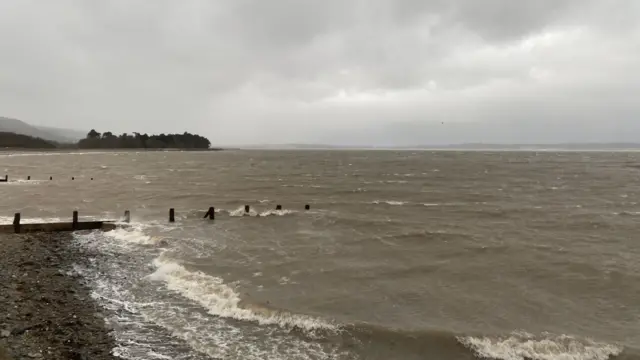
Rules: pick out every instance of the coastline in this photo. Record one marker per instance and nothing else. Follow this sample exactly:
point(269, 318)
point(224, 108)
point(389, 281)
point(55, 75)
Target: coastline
point(47, 313)
point(73, 150)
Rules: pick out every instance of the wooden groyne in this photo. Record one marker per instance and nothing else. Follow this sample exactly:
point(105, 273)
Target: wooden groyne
point(6, 178)
point(105, 225)
point(75, 225)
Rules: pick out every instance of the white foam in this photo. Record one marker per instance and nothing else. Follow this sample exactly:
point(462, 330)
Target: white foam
point(222, 300)
point(454, 204)
point(524, 346)
point(389, 202)
point(132, 236)
point(24, 182)
point(240, 212)
point(277, 212)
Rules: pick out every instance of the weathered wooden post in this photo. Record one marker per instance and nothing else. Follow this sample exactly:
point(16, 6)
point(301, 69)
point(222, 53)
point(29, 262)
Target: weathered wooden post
point(16, 223)
point(29, 177)
point(247, 209)
point(127, 216)
point(210, 213)
point(75, 220)
point(172, 215)
point(307, 207)
point(278, 207)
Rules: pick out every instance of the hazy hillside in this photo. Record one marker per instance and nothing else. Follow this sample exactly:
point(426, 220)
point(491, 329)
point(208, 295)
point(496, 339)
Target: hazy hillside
point(46, 133)
point(69, 134)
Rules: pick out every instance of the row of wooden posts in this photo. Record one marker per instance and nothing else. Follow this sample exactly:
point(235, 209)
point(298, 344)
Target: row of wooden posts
point(6, 178)
point(75, 224)
point(211, 213)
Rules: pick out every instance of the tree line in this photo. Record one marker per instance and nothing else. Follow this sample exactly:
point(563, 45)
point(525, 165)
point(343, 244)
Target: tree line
point(108, 140)
point(13, 140)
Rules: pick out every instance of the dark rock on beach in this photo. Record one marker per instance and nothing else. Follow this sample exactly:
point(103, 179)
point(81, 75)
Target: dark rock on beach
point(44, 313)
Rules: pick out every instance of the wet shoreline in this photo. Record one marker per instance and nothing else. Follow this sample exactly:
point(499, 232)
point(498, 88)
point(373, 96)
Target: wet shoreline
point(46, 311)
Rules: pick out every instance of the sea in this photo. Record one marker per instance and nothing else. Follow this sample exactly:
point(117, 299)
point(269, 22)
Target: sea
point(401, 254)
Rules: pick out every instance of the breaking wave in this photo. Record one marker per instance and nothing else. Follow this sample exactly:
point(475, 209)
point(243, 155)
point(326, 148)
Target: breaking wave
point(389, 202)
point(222, 300)
point(201, 312)
point(524, 346)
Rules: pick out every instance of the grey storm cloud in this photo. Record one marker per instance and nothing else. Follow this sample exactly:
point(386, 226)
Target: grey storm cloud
point(350, 72)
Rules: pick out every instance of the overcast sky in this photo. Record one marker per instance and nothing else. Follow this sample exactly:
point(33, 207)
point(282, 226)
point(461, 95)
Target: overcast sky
point(384, 72)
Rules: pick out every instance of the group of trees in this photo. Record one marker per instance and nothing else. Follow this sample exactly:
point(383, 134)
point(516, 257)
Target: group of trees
point(108, 140)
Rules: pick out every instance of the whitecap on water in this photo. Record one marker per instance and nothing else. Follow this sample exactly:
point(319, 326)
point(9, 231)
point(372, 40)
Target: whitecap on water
point(389, 202)
point(277, 212)
point(525, 346)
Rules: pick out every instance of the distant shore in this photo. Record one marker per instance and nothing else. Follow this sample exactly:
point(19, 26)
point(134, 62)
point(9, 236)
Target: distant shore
point(496, 148)
point(69, 150)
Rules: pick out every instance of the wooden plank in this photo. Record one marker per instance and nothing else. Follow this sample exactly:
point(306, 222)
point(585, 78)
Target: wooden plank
point(57, 227)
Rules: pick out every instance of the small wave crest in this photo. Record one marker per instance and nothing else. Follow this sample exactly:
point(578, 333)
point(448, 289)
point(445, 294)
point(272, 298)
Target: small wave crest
point(252, 212)
point(389, 202)
point(277, 212)
point(24, 182)
point(134, 236)
point(240, 212)
point(525, 346)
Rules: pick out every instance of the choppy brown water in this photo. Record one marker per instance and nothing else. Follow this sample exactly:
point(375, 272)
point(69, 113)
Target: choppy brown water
point(404, 255)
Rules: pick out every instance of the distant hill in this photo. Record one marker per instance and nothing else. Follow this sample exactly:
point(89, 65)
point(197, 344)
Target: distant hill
point(70, 135)
point(20, 141)
point(46, 133)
